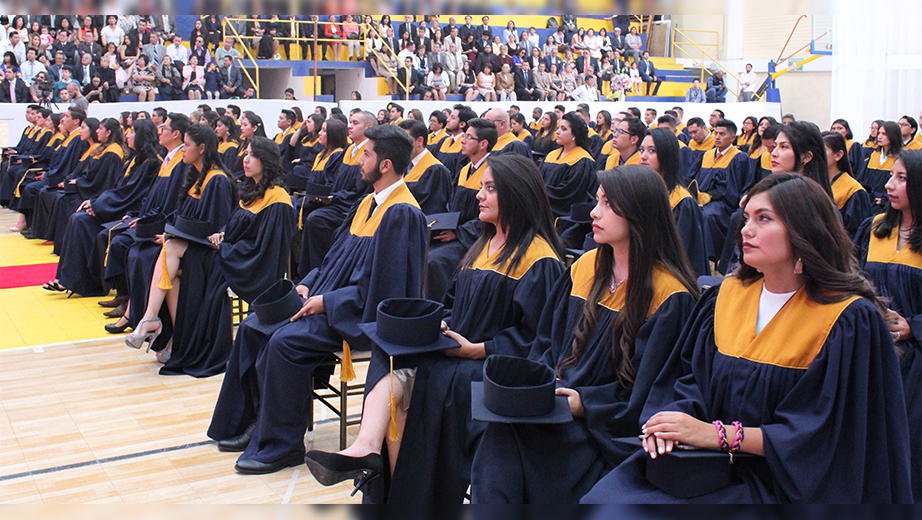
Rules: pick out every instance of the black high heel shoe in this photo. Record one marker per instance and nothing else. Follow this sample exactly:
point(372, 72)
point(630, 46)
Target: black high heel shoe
point(333, 468)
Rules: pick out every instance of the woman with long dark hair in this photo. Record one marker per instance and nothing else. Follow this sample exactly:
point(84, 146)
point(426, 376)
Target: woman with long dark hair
point(876, 170)
point(228, 138)
point(789, 355)
point(870, 144)
point(855, 154)
point(250, 125)
point(890, 252)
point(757, 148)
point(208, 195)
point(569, 174)
point(546, 139)
point(851, 199)
point(80, 267)
point(660, 150)
point(304, 143)
point(799, 148)
point(747, 133)
point(493, 305)
point(608, 329)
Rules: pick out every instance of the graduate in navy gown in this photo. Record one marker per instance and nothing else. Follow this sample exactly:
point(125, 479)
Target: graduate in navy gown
point(437, 132)
point(33, 151)
point(80, 268)
point(852, 200)
point(450, 152)
point(569, 171)
point(853, 148)
point(44, 220)
point(199, 306)
point(304, 144)
point(129, 263)
point(720, 176)
point(228, 139)
point(449, 246)
point(608, 329)
point(26, 144)
point(428, 179)
point(333, 139)
point(379, 253)
point(791, 359)
point(493, 306)
point(890, 251)
point(250, 125)
point(347, 190)
point(875, 170)
point(660, 150)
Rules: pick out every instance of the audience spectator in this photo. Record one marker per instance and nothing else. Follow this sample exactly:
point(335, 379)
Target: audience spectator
point(525, 84)
point(438, 82)
point(13, 89)
point(30, 67)
point(648, 73)
point(486, 83)
point(112, 33)
point(199, 51)
point(169, 79)
point(177, 51)
point(505, 84)
point(695, 93)
point(142, 79)
point(387, 68)
point(632, 44)
point(334, 32)
point(717, 90)
point(14, 45)
point(231, 79)
point(107, 76)
point(193, 79)
point(747, 84)
point(64, 46)
point(227, 50)
point(352, 35)
point(410, 77)
point(466, 81)
point(76, 96)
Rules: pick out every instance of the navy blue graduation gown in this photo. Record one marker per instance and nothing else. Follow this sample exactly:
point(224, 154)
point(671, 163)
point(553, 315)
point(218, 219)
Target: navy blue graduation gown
point(569, 180)
point(321, 171)
point(450, 155)
point(852, 200)
point(376, 256)
point(228, 151)
point(430, 183)
point(202, 331)
point(898, 278)
point(559, 463)
point(698, 151)
point(322, 223)
point(80, 267)
point(485, 303)
point(873, 175)
point(855, 154)
point(690, 223)
point(306, 150)
point(47, 217)
point(63, 160)
point(821, 381)
point(434, 141)
point(722, 180)
point(444, 257)
point(509, 143)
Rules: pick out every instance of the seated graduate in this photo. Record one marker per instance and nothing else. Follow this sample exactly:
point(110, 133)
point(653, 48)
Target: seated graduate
point(379, 253)
point(32, 151)
point(608, 147)
point(875, 171)
point(94, 174)
point(332, 140)
point(852, 200)
point(545, 140)
point(450, 152)
point(228, 138)
point(660, 151)
point(304, 144)
point(686, 155)
point(608, 329)
point(494, 306)
point(870, 144)
point(854, 154)
point(789, 355)
point(799, 148)
point(760, 165)
point(127, 256)
point(518, 127)
point(719, 178)
point(63, 161)
point(44, 221)
point(569, 171)
point(37, 157)
point(890, 251)
point(449, 246)
point(603, 130)
point(701, 141)
point(437, 131)
point(428, 179)
point(747, 134)
point(80, 268)
point(250, 125)
point(626, 138)
point(506, 141)
point(347, 191)
point(199, 307)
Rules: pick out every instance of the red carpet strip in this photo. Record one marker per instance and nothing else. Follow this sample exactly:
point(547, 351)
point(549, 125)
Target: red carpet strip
point(26, 275)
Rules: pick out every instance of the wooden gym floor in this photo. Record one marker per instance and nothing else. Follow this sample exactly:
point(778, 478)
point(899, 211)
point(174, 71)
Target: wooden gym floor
point(84, 419)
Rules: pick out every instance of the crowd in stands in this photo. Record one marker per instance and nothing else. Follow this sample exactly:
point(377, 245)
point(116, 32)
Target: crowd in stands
point(572, 247)
point(106, 56)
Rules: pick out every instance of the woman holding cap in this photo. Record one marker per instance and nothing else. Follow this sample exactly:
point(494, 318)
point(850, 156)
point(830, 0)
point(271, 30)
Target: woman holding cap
point(812, 408)
point(493, 305)
point(608, 329)
point(206, 199)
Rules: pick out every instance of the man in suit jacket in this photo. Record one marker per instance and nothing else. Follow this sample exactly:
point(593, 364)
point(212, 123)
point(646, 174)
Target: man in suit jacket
point(542, 81)
point(408, 75)
point(141, 34)
point(84, 72)
point(648, 73)
point(524, 79)
point(89, 46)
point(407, 27)
point(437, 56)
point(617, 41)
point(165, 24)
point(484, 57)
point(584, 61)
point(14, 89)
point(63, 45)
point(485, 28)
point(392, 41)
point(155, 51)
point(231, 79)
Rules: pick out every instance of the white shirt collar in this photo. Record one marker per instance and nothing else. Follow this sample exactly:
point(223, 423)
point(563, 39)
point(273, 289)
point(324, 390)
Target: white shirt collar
point(414, 161)
point(725, 150)
point(356, 146)
point(169, 156)
point(907, 141)
point(382, 196)
point(478, 163)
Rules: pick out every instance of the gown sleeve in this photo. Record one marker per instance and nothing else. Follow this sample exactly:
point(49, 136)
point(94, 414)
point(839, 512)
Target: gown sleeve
point(218, 202)
point(570, 187)
point(433, 189)
point(95, 181)
point(862, 241)
point(251, 265)
point(690, 224)
point(115, 203)
point(855, 211)
point(531, 295)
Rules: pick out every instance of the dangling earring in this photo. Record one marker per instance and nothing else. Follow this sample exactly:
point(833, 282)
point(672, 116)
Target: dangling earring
point(798, 267)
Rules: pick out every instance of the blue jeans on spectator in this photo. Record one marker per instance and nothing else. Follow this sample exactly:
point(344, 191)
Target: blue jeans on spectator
point(716, 95)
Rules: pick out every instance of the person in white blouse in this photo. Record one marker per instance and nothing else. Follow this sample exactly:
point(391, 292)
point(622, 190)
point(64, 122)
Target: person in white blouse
point(438, 81)
point(177, 51)
point(747, 84)
point(593, 43)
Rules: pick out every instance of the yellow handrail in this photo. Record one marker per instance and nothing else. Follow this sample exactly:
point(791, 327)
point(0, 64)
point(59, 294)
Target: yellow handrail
point(226, 23)
point(400, 83)
point(704, 54)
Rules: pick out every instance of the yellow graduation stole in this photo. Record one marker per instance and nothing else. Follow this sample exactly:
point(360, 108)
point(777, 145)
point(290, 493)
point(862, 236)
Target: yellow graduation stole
point(843, 187)
point(883, 250)
point(427, 161)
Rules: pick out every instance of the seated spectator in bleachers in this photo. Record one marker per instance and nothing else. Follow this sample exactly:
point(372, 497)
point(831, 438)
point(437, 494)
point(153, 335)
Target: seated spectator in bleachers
point(227, 50)
point(154, 50)
point(112, 32)
point(505, 84)
point(177, 51)
point(212, 81)
point(199, 51)
point(142, 78)
point(332, 31)
point(387, 68)
point(193, 79)
point(695, 93)
point(64, 45)
point(717, 90)
point(410, 78)
point(169, 79)
point(13, 89)
point(438, 82)
point(89, 45)
point(62, 83)
point(231, 79)
point(55, 70)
